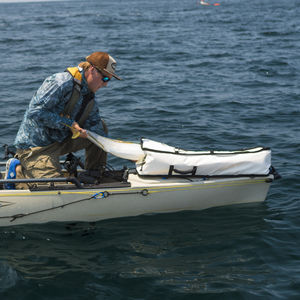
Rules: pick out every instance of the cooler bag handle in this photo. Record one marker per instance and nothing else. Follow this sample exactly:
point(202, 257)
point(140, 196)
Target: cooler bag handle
point(192, 171)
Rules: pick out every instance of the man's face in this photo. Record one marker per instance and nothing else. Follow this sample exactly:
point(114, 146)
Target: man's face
point(95, 78)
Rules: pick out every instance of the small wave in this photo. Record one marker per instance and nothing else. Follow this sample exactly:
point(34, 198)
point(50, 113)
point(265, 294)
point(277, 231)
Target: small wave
point(12, 41)
point(277, 33)
point(8, 277)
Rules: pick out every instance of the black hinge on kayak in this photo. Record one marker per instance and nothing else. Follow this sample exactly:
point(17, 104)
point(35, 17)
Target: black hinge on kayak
point(275, 173)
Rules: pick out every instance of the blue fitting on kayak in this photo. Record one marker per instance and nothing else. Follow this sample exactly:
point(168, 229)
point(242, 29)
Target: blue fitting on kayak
point(11, 172)
point(100, 194)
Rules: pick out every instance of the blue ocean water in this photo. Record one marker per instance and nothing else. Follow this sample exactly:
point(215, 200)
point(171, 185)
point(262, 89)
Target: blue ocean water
point(197, 77)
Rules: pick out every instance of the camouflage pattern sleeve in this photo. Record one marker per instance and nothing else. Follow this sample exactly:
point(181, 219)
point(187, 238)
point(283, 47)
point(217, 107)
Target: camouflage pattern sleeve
point(49, 101)
point(42, 123)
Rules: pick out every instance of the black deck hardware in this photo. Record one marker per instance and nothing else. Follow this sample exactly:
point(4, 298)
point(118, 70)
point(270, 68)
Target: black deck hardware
point(44, 180)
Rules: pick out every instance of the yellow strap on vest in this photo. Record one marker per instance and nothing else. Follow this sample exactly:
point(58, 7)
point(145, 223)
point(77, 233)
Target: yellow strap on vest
point(75, 73)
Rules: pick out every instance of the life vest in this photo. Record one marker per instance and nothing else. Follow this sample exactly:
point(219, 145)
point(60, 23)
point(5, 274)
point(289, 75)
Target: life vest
point(86, 107)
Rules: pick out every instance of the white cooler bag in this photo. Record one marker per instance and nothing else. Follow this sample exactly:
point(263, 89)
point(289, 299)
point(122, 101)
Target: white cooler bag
point(161, 159)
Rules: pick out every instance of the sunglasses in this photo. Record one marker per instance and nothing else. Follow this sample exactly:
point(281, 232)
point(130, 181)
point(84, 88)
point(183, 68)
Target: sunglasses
point(104, 77)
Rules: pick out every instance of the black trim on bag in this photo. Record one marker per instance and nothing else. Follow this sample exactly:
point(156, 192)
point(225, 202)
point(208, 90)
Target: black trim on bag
point(212, 152)
point(208, 176)
point(272, 171)
point(208, 152)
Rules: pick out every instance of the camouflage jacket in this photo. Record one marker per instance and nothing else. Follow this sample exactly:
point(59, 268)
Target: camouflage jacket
point(43, 123)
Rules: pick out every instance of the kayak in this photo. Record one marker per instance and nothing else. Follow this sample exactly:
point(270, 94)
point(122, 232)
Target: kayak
point(133, 192)
point(58, 202)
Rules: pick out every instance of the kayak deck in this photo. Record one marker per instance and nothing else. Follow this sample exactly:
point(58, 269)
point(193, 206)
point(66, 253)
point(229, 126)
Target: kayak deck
point(123, 193)
point(67, 203)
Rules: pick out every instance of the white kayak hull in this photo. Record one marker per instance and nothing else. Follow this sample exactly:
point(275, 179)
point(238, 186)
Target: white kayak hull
point(144, 196)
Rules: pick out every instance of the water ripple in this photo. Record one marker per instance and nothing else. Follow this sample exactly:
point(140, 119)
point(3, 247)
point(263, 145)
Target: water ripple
point(219, 77)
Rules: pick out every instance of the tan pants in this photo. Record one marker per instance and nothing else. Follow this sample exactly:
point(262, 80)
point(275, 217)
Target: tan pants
point(43, 162)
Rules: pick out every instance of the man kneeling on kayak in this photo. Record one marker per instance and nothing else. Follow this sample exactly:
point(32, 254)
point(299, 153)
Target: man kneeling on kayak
point(64, 104)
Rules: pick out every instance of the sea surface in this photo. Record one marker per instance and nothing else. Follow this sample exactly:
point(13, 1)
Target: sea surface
point(198, 77)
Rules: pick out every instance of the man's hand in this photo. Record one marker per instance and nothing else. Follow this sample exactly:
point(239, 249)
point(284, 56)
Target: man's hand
point(78, 131)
